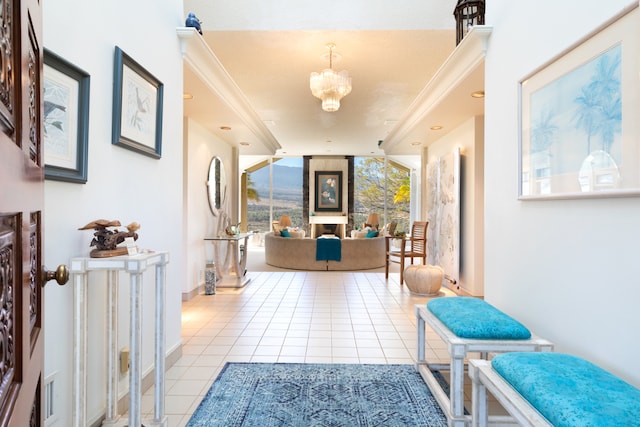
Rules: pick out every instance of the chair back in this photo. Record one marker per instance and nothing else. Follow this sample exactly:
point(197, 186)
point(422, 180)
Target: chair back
point(390, 229)
point(419, 236)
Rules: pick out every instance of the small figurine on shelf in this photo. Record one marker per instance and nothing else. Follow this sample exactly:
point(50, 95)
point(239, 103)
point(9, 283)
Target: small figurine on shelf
point(193, 21)
point(106, 241)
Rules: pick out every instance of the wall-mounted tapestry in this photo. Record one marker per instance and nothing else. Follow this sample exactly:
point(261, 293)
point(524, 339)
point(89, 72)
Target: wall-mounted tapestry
point(443, 214)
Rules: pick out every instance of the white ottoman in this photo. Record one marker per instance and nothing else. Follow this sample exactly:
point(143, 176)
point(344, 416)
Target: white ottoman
point(424, 279)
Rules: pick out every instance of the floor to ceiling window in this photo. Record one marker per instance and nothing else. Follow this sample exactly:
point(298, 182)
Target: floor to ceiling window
point(272, 190)
point(382, 187)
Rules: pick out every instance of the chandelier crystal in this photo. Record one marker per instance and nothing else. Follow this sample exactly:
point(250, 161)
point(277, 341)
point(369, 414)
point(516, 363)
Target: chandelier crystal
point(330, 86)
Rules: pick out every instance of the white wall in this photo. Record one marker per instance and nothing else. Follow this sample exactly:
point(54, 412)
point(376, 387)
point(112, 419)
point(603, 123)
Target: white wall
point(200, 147)
point(121, 185)
point(566, 268)
point(469, 138)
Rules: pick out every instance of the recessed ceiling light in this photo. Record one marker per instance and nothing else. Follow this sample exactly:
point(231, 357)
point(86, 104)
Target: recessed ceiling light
point(245, 143)
point(415, 143)
point(225, 127)
point(436, 127)
point(187, 96)
point(477, 94)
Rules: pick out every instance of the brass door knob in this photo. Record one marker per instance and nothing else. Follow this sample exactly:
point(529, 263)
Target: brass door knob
point(61, 274)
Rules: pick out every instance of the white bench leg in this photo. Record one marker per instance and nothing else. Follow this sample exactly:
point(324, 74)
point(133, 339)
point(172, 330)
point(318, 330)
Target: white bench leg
point(479, 403)
point(421, 338)
point(457, 381)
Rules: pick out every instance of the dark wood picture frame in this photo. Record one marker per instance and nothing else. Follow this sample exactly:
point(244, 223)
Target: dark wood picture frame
point(137, 107)
point(328, 186)
point(65, 120)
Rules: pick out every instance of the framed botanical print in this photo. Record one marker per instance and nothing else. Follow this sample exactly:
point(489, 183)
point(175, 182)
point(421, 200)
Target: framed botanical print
point(328, 191)
point(137, 107)
point(65, 120)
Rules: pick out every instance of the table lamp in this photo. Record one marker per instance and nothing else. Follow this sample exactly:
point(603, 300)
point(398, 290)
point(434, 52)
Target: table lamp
point(285, 221)
point(373, 220)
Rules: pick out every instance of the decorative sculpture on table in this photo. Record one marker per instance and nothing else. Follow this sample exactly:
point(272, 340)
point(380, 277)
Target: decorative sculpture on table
point(106, 240)
point(232, 230)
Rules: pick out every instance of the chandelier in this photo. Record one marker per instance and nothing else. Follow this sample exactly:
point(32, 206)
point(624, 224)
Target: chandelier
point(329, 85)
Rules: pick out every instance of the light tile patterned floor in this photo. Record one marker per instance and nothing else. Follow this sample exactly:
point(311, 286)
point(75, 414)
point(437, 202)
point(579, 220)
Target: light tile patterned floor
point(311, 317)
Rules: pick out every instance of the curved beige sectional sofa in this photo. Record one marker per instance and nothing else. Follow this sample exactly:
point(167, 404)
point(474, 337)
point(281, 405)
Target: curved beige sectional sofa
point(300, 254)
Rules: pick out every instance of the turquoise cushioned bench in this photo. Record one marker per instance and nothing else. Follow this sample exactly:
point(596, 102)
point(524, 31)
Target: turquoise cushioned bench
point(466, 324)
point(570, 391)
point(476, 319)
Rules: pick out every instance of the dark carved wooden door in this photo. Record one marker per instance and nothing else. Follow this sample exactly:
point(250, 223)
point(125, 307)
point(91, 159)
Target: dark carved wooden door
point(21, 203)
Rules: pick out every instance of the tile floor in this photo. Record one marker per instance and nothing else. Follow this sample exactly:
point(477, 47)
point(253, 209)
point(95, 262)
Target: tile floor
point(287, 316)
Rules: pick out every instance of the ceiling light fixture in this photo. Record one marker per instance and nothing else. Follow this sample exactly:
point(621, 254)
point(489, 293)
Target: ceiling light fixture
point(477, 94)
point(329, 85)
point(437, 127)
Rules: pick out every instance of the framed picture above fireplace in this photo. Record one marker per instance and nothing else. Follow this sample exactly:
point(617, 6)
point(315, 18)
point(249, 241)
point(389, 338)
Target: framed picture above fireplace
point(328, 187)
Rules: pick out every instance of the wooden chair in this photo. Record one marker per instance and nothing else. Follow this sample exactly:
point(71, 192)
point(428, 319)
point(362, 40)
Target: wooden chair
point(417, 248)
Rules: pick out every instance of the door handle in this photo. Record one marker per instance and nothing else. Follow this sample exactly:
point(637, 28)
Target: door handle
point(61, 274)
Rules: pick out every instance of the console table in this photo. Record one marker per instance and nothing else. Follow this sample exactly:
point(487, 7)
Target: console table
point(135, 266)
point(341, 220)
point(230, 276)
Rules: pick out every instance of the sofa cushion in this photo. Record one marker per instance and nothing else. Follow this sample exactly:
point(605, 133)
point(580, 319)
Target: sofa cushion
point(371, 234)
point(285, 233)
point(297, 234)
point(359, 234)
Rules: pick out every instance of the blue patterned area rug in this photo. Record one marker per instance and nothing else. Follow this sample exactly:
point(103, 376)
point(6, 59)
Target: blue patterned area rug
point(318, 395)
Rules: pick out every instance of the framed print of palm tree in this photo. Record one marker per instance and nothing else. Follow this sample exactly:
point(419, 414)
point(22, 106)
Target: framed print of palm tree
point(579, 117)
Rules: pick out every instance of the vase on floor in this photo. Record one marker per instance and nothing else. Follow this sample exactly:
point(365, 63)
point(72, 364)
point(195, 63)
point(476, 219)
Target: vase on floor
point(210, 278)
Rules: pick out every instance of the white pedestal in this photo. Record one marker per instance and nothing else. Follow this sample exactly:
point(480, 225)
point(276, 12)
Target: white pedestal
point(136, 266)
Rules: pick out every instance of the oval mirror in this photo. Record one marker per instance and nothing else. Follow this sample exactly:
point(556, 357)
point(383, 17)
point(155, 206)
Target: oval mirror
point(216, 185)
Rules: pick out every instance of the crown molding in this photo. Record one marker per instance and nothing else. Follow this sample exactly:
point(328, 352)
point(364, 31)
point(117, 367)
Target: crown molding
point(204, 63)
point(463, 61)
